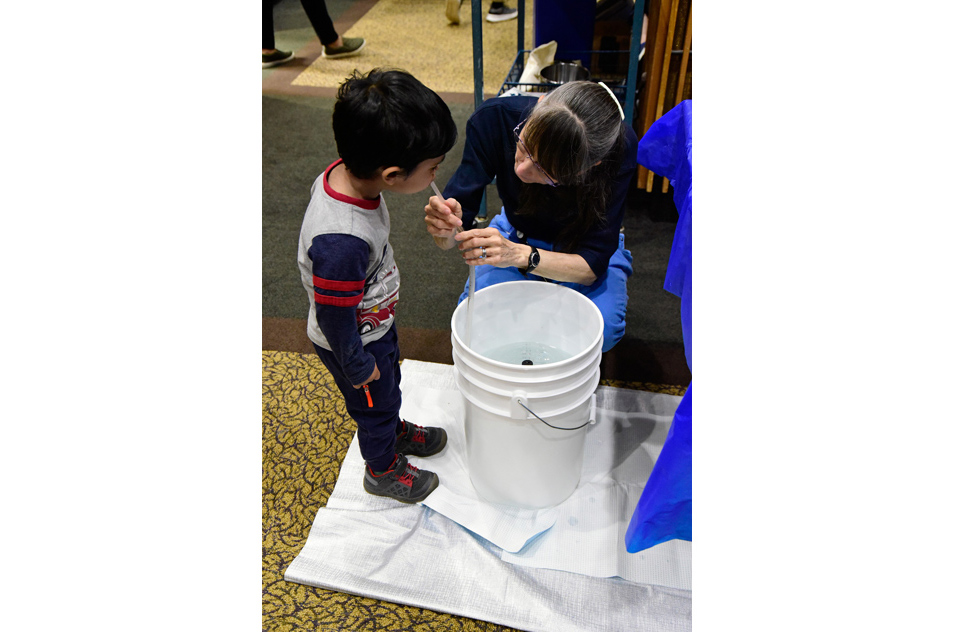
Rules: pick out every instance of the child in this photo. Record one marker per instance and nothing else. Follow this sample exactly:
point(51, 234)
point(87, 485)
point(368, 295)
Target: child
point(391, 133)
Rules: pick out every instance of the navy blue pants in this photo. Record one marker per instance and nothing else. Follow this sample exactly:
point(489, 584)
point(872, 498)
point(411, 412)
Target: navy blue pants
point(376, 425)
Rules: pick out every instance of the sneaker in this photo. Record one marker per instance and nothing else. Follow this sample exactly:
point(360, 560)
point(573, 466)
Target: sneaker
point(350, 46)
point(419, 441)
point(499, 12)
point(275, 58)
point(452, 8)
point(402, 481)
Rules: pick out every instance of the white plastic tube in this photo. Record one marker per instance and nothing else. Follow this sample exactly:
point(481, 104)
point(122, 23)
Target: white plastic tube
point(471, 283)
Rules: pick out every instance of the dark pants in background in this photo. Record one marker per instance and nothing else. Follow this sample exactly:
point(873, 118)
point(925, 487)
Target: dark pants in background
point(318, 15)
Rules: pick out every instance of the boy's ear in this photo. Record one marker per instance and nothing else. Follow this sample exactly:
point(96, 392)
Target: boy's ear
point(391, 175)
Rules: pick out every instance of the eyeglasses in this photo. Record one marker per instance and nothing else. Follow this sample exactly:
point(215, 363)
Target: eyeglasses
point(528, 153)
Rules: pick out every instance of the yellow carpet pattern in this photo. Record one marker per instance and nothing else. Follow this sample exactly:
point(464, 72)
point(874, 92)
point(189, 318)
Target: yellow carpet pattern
point(306, 433)
point(415, 35)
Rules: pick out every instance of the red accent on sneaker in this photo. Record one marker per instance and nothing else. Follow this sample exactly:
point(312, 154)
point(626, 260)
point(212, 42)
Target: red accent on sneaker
point(407, 477)
point(418, 436)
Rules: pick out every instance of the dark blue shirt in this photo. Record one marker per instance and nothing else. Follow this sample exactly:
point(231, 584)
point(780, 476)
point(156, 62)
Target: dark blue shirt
point(490, 153)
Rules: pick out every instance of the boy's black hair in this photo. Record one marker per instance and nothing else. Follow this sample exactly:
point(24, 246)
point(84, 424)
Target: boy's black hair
point(389, 118)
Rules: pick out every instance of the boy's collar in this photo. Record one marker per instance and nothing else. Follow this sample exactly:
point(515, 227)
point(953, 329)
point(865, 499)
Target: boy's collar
point(369, 205)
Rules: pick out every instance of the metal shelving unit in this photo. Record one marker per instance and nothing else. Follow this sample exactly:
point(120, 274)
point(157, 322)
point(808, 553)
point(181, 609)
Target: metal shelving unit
point(512, 80)
point(620, 89)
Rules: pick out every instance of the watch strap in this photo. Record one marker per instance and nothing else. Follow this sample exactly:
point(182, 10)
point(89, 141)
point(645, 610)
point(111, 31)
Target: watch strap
point(533, 260)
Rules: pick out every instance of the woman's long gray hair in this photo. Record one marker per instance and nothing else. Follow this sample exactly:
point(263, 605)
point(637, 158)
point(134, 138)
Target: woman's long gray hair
point(577, 136)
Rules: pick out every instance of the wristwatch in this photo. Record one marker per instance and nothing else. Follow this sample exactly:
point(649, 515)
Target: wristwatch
point(533, 260)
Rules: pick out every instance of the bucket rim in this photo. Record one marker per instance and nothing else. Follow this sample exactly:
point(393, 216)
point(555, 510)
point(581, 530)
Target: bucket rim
point(599, 340)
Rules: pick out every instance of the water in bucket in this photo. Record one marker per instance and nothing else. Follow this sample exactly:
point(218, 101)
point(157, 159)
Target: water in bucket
point(527, 353)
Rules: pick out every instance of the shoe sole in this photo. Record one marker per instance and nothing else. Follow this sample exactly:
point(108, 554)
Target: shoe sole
point(409, 501)
point(500, 18)
point(342, 55)
point(271, 64)
point(452, 12)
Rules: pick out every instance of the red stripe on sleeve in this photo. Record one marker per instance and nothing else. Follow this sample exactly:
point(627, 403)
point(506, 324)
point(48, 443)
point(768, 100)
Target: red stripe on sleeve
point(338, 286)
point(339, 301)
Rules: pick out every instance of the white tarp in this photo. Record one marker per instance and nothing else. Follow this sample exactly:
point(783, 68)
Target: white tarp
point(563, 568)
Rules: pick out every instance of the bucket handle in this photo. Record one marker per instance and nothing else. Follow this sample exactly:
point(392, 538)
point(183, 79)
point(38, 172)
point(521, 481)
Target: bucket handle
point(591, 414)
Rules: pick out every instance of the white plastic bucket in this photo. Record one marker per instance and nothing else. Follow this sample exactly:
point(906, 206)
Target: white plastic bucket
point(525, 426)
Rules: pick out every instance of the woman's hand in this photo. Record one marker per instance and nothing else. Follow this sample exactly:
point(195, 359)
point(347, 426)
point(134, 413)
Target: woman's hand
point(502, 253)
point(486, 246)
point(443, 220)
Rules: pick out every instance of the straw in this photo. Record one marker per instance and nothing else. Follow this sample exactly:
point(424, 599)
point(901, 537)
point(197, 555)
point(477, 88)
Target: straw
point(471, 285)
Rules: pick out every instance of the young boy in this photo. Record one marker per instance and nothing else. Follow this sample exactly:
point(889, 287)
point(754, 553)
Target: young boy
point(391, 133)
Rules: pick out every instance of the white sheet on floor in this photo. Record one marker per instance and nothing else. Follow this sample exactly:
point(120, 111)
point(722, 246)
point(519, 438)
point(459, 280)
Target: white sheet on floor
point(564, 568)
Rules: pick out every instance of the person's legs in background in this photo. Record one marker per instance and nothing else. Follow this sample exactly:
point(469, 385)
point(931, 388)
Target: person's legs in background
point(500, 13)
point(497, 13)
point(452, 9)
point(333, 45)
point(270, 55)
point(268, 32)
point(318, 15)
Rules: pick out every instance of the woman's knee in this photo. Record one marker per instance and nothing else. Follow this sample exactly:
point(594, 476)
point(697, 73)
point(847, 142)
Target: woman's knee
point(610, 297)
point(613, 330)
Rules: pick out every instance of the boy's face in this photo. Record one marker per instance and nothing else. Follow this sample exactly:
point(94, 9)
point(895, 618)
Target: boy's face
point(418, 180)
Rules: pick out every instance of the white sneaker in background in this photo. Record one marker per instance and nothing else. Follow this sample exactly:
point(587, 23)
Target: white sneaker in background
point(452, 8)
point(499, 12)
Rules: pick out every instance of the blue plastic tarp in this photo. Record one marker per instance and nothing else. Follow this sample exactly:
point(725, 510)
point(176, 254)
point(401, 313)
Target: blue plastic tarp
point(664, 510)
point(666, 150)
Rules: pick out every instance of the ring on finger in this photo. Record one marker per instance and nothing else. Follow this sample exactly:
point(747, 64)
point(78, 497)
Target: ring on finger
point(483, 253)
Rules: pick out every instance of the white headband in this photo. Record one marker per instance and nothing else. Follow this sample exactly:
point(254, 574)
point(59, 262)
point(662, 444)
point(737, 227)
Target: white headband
point(616, 102)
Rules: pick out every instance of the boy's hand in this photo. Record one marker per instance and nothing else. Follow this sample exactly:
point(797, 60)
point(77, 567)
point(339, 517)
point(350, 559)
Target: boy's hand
point(374, 376)
point(443, 220)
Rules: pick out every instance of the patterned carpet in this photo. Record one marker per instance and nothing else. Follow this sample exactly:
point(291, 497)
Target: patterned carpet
point(305, 435)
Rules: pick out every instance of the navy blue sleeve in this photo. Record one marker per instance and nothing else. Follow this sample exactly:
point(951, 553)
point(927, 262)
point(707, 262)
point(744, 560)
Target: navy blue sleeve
point(339, 263)
point(488, 154)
